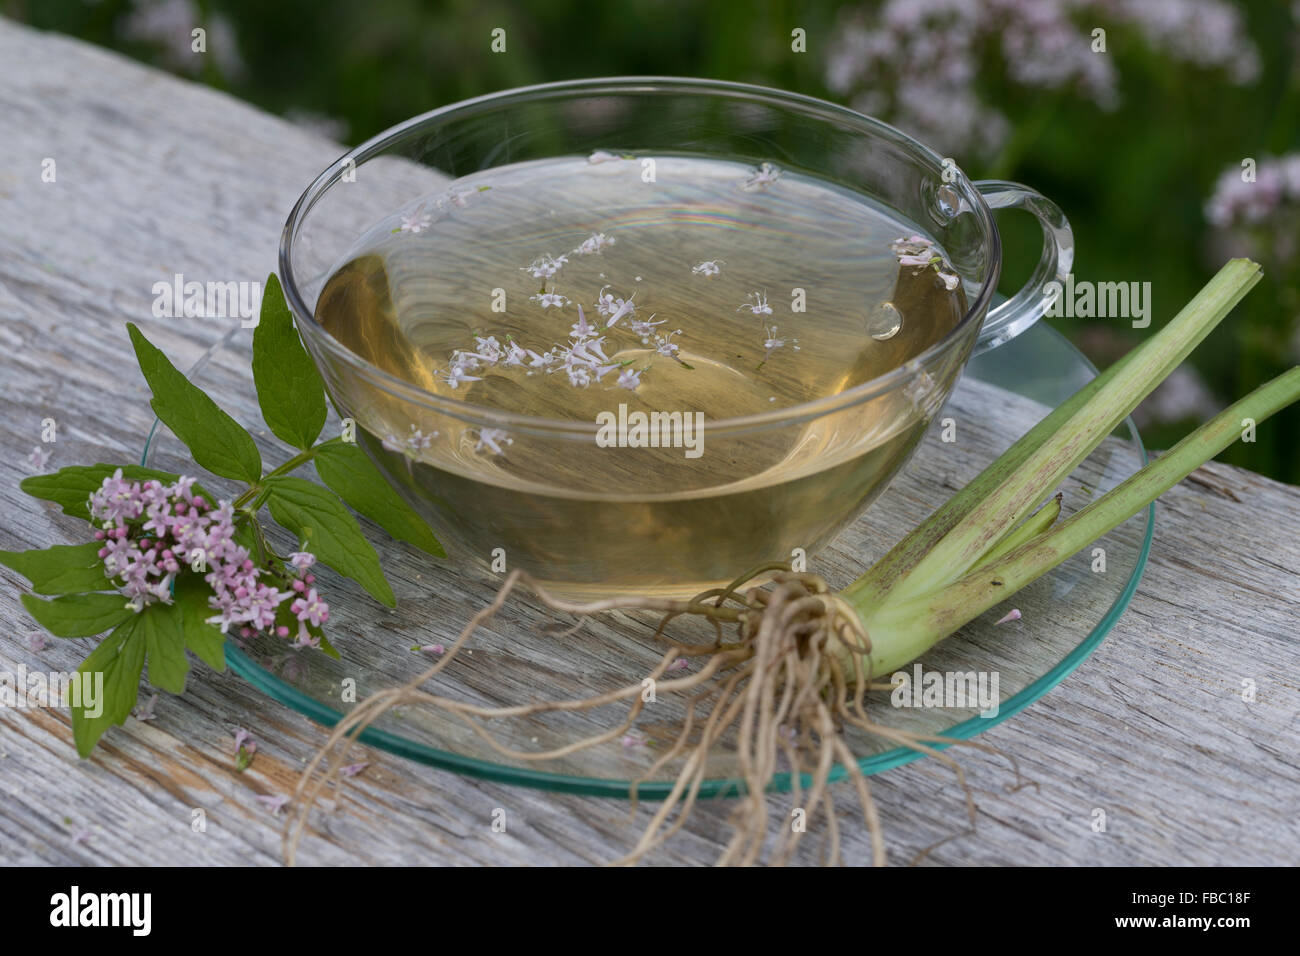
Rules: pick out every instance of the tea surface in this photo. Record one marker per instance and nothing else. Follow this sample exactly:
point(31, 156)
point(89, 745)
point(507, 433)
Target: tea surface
point(717, 290)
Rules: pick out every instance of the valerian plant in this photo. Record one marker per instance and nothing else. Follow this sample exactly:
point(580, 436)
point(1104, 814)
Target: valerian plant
point(171, 569)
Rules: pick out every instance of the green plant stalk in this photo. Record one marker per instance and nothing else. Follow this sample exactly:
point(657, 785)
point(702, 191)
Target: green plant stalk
point(296, 461)
point(901, 630)
point(1030, 528)
point(876, 582)
point(894, 566)
point(981, 528)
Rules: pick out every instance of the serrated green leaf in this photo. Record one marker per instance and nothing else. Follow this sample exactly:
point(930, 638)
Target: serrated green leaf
point(328, 649)
point(79, 615)
point(316, 515)
point(204, 639)
point(164, 634)
point(354, 478)
point(289, 389)
point(70, 488)
point(61, 569)
point(120, 658)
point(214, 439)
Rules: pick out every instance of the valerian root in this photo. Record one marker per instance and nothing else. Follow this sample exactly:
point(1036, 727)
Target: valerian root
point(780, 686)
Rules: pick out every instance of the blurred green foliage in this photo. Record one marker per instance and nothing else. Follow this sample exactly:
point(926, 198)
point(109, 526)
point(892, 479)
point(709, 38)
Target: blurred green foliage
point(1133, 182)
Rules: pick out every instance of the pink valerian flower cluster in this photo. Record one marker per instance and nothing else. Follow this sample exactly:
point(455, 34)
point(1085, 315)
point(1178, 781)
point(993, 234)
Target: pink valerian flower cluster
point(915, 61)
point(1261, 218)
point(1236, 202)
point(153, 532)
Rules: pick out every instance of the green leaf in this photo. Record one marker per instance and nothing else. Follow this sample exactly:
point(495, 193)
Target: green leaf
point(289, 389)
point(120, 658)
point(204, 639)
point(71, 487)
point(79, 615)
point(317, 516)
point(62, 569)
point(354, 478)
point(214, 439)
point(164, 635)
point(328, 649)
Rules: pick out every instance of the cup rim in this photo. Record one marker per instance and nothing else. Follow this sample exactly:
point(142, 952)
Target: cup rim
point(482, 415)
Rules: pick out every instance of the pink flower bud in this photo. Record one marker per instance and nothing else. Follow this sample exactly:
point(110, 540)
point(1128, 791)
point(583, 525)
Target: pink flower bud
point(298, 586)
point(282, 631)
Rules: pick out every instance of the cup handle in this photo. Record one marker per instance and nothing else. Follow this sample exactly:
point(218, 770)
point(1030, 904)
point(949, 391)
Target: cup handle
point(1006, 321)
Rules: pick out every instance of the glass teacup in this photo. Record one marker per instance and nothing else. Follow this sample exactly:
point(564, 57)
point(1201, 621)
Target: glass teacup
point(579, 503)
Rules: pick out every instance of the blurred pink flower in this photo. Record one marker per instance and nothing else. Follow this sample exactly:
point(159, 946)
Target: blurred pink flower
point(914, 61)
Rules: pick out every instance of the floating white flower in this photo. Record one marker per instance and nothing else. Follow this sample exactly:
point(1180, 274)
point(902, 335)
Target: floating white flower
point(757, 304)
point(38, 459)
point(761, 178)
point(410, 446)
point(456, 375)
point(582, 329)
point(415, 222)
point(492, 439)
point(548, 299)
point(774, 342)
point(488, 349)
point(540, 360)
point(665, 346)
point(645, 327)
point(589, 351)
point(614, 308)
point(516, 355)
point(595, 243)
point(467, 361)
point(544, 267)
point(920, 253)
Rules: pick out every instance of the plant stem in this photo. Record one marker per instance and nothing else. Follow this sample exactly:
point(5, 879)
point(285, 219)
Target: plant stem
point(902, 630)
point(980, 529)
point(295, 462)
point(1040, 521)
point(876, 582)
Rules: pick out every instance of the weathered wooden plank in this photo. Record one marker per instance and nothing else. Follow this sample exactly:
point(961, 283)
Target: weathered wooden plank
point(156, 176)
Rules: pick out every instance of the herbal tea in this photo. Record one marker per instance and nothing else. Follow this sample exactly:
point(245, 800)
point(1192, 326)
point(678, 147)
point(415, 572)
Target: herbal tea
point(654, 300)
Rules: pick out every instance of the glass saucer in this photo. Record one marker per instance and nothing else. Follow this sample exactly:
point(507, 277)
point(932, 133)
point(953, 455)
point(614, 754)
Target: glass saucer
point(528, 654)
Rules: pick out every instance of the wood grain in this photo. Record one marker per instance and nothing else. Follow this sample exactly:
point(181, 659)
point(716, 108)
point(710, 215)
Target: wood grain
point(156, 176)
